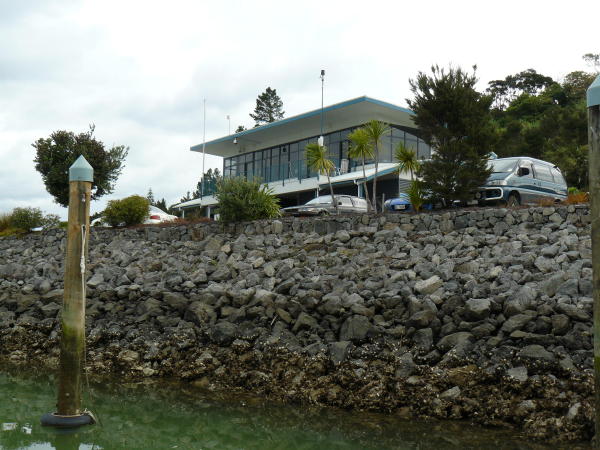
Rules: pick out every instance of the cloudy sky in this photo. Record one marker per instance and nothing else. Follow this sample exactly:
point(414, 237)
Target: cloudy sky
point(139, 70)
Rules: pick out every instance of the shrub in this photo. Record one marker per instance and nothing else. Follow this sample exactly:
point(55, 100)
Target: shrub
point(242, 200)
point(27, 218)
point(5, 221)
point(131, 210)
point(416, 195)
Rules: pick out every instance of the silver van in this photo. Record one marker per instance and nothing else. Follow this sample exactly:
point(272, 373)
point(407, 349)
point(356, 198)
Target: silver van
point(520, 180)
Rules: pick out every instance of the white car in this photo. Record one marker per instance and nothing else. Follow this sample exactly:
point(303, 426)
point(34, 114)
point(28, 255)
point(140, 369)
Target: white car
point(157, 215)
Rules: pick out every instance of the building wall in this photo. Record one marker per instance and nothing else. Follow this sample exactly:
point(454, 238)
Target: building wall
point(288, 160)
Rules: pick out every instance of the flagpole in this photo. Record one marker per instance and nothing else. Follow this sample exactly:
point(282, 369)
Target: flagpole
point(203, 152)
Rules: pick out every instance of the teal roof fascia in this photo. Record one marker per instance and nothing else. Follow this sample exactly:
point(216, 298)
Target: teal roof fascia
point(313, 113)
point(593, 93)
point(369, 178)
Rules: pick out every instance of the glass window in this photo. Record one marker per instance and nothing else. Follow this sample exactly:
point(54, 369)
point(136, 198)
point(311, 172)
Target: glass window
point(542, 173)
point(424, 151)
point(558, 178)
point(345, 201)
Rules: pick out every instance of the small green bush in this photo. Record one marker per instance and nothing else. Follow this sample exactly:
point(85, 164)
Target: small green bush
point(128, 211)
point(27, 218)
point(242, 200)
point(5, 221)
point(416, 195)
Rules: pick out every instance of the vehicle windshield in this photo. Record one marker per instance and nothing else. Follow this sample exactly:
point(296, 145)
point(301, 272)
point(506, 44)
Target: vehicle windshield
point(502, 165)
point(155, 210)
point(320, 200)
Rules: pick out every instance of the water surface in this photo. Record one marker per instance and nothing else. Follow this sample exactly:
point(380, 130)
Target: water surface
point(179, 416)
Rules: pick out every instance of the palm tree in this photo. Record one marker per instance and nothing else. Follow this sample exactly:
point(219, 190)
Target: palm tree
point(360, 147)
point(376, 130)
point(316, 158)
point(407, 161)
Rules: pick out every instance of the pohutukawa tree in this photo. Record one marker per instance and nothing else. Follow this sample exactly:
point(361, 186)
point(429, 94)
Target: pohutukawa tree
point(55, 154)
point(455, 120)
point(268, 108)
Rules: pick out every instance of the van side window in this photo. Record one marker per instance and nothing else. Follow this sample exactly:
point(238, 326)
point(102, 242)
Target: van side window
point(543, 173)
point(527, 166)
point(558, 178)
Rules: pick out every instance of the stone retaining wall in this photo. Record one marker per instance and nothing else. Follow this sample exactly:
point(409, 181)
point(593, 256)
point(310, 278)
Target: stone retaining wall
point(472, 314)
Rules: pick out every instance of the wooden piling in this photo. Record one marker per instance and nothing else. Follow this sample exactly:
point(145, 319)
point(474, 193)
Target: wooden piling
point(593, 102)
point(73, 312)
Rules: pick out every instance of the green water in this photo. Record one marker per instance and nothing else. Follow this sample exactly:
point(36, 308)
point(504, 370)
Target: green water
point(179, 416)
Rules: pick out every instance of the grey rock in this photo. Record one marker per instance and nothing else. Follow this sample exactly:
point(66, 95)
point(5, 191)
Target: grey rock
point(477, 309)
point(405, 366)
point(453, 340)
point(516, 322)
point(421, 319)
point(223, 333)
point(428, 286)
point(339, 351)
point(536, 352)
point(560, 324)
point(305, 322)
point(355, 329)
point(517, 373)
point(451, 393)
point(423, 339)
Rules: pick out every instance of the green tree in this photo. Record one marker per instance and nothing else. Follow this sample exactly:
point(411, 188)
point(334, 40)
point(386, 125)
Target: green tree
point(407, 160)
point(361, 148)
point(550, 125)
point(316, 159)
point(243, 200)
point(240, 128)
point(55, 154)
point(128, 211)
point(593, 59)
point(210, 182)
point(268, 108)
point(525, 82)
point(455, 120)
point(150, 197)
point(376, 130)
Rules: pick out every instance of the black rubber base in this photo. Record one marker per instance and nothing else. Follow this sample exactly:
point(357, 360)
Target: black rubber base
point(54, 420)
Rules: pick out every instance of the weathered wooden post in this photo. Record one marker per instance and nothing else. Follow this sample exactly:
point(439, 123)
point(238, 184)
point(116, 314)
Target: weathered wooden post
point(69, 413)
point(593, 103)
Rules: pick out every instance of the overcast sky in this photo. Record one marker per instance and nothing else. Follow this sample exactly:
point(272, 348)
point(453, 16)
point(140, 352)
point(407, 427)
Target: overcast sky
point(139, 70)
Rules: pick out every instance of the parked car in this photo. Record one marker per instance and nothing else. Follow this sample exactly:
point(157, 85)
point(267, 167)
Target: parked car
point(323, 205)
point(155, 215)
point(402, 204)
point(520, 180)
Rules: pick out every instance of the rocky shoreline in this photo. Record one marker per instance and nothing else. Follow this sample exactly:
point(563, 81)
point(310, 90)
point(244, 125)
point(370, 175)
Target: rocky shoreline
point(482, 315)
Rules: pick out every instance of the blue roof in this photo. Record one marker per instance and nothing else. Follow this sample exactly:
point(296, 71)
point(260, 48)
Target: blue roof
point(312, 113)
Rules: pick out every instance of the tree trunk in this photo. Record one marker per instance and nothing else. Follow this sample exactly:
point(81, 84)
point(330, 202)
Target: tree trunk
point(375, 178)
point(335, 205)
point(369, 205)
point(594, 175)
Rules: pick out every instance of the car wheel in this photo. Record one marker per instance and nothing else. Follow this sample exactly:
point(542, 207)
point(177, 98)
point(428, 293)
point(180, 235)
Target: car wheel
point(513, 201)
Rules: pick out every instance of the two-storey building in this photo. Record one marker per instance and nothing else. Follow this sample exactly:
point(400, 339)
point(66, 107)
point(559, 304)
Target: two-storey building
point(275, 153)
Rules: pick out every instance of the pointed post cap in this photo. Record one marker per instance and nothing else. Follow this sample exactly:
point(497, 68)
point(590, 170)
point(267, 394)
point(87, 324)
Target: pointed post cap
point(593, 93)
point(81, 170)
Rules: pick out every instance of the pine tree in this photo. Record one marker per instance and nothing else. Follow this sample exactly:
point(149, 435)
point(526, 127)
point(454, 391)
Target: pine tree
point(268, 108)
point(455, 120)
point(150, 197)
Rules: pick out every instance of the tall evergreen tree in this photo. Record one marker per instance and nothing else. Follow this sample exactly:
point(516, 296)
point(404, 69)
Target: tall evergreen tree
point(455, 120)
point(268, 108)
